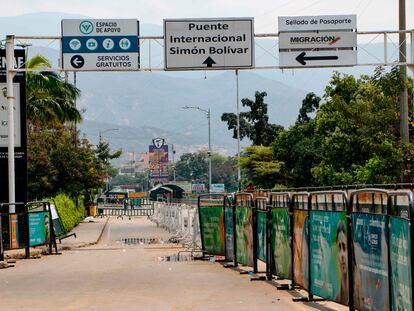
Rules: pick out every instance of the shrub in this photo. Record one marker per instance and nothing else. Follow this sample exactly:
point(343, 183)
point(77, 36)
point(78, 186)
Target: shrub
point(69, 214)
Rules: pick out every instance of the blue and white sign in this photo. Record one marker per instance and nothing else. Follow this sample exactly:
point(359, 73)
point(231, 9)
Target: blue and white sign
point(217, 188)
point(100, 44)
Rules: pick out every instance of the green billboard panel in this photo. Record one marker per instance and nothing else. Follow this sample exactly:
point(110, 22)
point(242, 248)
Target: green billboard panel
point(370, 262)
point(281, 250)
point(300, 248)
point(212, 229)
point(229, 232)
point(329, 255)
point(244, 235)
point(261, 235)
point(400, 259)
point(39, 228)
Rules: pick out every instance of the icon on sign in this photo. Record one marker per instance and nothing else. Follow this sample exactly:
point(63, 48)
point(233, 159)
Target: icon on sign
point(86, 27)
point(108, 44)
point(91, 44)
point(77, 61)
point(75, 44)
point(124, 44)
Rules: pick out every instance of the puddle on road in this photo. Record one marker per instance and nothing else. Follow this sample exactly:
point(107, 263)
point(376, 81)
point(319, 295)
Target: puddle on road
point(140, 241)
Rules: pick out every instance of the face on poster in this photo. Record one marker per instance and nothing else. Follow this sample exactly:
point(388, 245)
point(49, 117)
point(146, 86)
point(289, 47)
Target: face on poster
point(244, 235)
point(329, 255)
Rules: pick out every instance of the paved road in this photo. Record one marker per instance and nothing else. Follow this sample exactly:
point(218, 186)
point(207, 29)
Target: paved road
point(114, 276)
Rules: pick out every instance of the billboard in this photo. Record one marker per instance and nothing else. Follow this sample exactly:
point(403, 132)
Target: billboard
point(158, 161)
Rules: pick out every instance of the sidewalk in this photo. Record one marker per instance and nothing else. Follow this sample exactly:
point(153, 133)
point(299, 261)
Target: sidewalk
point(87, 233)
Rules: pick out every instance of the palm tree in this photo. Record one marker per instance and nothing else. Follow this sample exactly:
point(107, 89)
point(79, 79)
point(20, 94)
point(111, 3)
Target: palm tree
point(50, 99)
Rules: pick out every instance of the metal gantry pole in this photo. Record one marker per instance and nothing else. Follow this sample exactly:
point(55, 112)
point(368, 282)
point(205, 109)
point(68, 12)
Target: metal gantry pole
point(209, 149)
point(404, 132)
point(10, 110)
point(238, 132)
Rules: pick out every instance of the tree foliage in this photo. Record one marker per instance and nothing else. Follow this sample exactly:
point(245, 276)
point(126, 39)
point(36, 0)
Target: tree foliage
point(254, 124)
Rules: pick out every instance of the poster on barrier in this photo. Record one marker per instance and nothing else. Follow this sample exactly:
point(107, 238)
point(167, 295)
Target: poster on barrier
point(14, 231)
point(370, 262)
point(400, 260)
point(281, 250)
point(244, 235)
point(261, 235)
point(300, 248)
point(329, 255)
point(229, 231)
point(212, 229)
point(39, 228)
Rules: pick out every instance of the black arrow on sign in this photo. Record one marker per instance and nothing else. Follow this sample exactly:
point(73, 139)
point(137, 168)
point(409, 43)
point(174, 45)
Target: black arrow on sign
point(77, 61)
point(209, 62)
point(301, 58)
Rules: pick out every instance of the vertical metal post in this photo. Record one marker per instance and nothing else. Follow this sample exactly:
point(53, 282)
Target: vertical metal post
point(173, 156)
point(404, 134)
point(385, 49)
point(209, 149)
point(238, 131)
point(10, 110)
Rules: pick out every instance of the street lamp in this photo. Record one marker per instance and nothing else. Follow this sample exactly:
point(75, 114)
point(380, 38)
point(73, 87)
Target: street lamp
point(104, 131)
point(208, 114)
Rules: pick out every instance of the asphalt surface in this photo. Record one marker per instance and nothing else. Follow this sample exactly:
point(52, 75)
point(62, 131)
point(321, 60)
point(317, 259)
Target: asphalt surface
point(112, 275)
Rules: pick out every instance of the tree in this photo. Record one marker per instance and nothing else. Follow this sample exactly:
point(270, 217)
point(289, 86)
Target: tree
point(254, 124)
point(358, 124)
point(50, 99)
point(192, 166)
point(260, 166)
point(309, 105)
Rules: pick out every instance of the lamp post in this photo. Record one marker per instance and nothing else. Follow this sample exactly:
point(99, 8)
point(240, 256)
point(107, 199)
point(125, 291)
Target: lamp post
point(208, 114)
point(104, 131)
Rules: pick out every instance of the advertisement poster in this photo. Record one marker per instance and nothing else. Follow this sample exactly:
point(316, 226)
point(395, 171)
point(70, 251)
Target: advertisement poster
point(229, 229)
point(212, 229)
point(39, 228)
point(400, 252)
point(244, 235)
point(329, 255)
point(14, 231)
point(261, 235)
point(370, 262)
point(300, 248)
point(282, 254)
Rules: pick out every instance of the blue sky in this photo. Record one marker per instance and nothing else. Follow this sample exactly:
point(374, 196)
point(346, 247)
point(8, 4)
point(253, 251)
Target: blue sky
point(372, 14)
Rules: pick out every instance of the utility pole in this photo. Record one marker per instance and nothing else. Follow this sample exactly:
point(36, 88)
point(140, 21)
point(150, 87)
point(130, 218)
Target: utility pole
point(10, 112)
point(404, 133)
point(238, 132)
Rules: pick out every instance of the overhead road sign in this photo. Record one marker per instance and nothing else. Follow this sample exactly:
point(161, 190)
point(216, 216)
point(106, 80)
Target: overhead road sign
point(320, 40)
point(334, 58)
point(317, 41)
point(208, 43)
point(313, 23)
point(100, 44)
